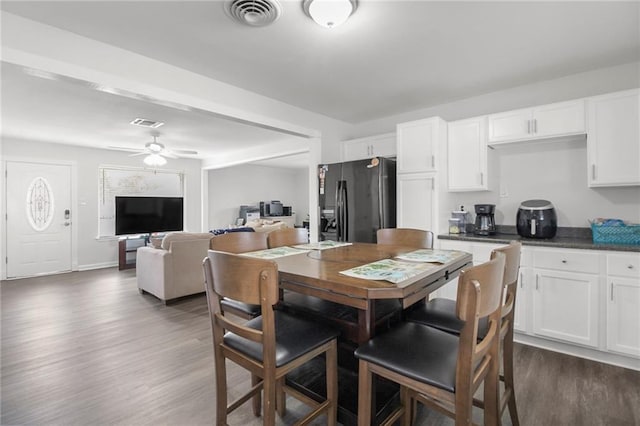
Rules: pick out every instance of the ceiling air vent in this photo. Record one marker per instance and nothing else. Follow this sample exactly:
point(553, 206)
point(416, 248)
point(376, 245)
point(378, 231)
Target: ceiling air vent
point(143, 122)
point(255, 13)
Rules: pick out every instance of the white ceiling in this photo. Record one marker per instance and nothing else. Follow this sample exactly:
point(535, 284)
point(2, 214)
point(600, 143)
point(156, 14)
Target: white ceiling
point(390, 57)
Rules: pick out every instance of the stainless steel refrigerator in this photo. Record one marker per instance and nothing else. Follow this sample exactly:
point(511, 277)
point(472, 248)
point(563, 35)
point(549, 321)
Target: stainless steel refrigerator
point(356, 199)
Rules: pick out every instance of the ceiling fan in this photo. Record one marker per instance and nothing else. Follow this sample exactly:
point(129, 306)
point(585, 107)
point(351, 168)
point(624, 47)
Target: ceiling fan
point(156, 152)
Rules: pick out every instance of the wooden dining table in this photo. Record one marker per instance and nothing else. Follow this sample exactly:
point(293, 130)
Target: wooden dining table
point(318, 273)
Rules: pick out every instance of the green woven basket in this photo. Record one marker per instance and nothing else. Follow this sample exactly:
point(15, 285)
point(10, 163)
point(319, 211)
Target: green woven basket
point(628, 234)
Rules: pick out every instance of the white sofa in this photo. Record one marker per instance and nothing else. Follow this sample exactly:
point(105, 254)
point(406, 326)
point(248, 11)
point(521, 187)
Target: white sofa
point(173, 268)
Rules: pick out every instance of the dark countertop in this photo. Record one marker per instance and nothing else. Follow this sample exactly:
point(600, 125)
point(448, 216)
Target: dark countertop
point(574, 238)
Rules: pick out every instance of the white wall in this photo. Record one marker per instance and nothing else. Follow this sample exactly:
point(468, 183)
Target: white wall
point(556, 172)
point(89, 251)
point(231, 187)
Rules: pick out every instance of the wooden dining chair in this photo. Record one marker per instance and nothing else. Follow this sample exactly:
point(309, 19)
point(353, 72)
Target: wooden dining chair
point(287, 237)
point(441, 313)
point(269, 346)
point(436, 368)
point(240, 242)
point(406, 237)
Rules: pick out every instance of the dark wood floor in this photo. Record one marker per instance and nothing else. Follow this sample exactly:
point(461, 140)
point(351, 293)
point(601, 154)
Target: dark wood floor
point(85, 348)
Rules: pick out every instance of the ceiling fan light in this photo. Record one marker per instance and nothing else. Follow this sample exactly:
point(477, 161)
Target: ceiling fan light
point(329, 13)
point(155, 147)
point(155, 160)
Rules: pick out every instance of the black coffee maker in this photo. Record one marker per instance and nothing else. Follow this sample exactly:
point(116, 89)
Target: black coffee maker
point(485, 221)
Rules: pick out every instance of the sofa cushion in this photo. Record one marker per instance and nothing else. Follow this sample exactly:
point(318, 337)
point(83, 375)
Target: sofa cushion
point(156, 242)
point(182, 236)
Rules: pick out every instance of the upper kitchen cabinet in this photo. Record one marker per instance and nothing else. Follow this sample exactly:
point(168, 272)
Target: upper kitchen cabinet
point(613, 139)
point(542, 122)
point(372, 146)
point(417, 143)
point(467, 155)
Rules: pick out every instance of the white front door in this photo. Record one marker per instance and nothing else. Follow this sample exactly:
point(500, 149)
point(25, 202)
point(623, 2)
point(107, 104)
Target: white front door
point(38, 218)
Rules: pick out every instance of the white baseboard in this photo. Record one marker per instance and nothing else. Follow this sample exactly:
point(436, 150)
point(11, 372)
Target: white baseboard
point(102, 265)
point(579, 351)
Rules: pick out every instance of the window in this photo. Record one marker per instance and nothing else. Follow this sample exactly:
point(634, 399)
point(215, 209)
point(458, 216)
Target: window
point(122, 181)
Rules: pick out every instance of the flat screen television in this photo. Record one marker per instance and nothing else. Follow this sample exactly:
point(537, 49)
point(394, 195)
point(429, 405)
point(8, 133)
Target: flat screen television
point(144, 215)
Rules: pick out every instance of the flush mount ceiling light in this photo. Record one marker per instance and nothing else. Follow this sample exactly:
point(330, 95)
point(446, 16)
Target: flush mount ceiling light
point(329, 13)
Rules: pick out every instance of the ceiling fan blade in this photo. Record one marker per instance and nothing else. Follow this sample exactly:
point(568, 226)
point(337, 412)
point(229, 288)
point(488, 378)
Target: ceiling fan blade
point(184, 151)
point(168, 154)
point(138, 153)
point(124, 148)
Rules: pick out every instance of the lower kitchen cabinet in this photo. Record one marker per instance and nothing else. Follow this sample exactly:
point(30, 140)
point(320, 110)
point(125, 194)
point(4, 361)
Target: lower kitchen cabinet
point(623, 316)
point(565, 306)
point(521, 321)
point(623, 303)
point(579, 302)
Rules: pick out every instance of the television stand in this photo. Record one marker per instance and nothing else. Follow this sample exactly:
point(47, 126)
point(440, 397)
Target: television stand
point(127, 249)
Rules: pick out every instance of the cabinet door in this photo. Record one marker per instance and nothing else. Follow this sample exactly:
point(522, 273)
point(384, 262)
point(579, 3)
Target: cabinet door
point(467, 155)
point(559, 119)
point(565, 306)
point(384, 146)
point(510, 125)
point(355, 150)
point(521, 309)
point(373, 146)
point(415, 199)
point(623, 316)
point(417, 143)
point(613, 139)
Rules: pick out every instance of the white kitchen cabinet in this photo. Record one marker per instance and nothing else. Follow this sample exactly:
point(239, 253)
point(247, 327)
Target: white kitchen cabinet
point(481, 252)
point(580, 302)
point(372, 146)
point(418, 144)
point(545, 121)
point(467, 155)
point(521, 321)
point(566, 295)
point(450, 289)
point(623, 303)
point(613, 139)
point(416, 201)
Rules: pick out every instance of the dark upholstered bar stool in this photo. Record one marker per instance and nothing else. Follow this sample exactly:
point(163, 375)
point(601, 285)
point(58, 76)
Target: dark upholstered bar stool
point(441, 313)
point(240, 242)
point(287, 237)
point(439, 369)
point(405, 237)
point(269, 346)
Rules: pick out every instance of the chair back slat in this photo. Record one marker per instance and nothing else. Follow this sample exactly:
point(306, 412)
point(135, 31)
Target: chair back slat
point(239, 242)
point(287, 237)
point(405, 237)
point(511, 272)
point(240, 330)
point(241, 278)
point(486, 275)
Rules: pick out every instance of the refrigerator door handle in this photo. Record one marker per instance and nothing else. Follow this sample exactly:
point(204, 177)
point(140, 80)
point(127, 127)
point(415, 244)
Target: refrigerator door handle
point(344, 212)
point(382, 202)
point(338, 213)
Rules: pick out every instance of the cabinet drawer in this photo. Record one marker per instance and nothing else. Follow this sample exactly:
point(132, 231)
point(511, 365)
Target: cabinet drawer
point(624, 265)
point(561, 260)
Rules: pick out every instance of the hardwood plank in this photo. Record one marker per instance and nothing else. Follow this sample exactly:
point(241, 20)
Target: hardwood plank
point(87, 348)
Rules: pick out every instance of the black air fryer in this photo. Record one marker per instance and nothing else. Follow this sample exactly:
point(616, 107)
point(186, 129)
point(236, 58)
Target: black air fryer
point(537, 219)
